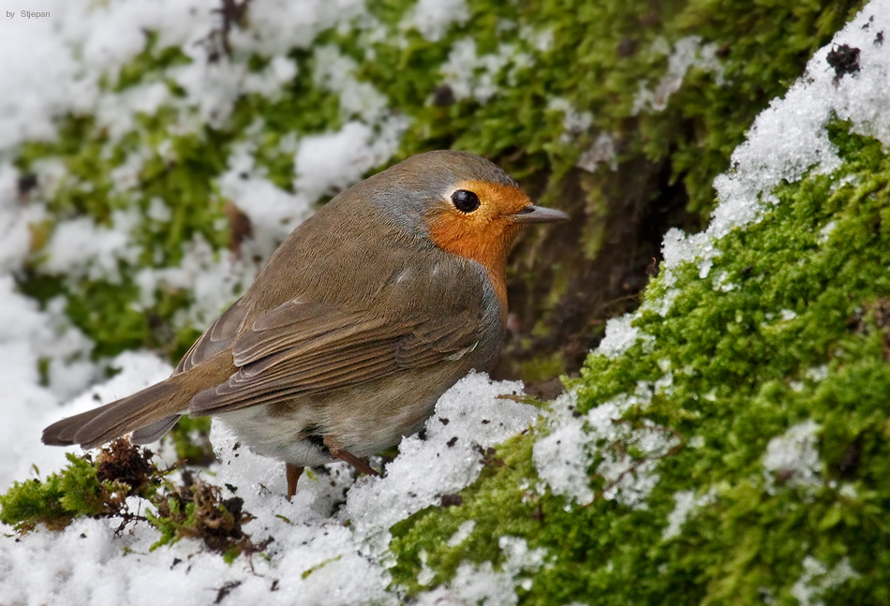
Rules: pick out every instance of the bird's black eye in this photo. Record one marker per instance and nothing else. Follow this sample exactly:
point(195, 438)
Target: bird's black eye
point(465, 201)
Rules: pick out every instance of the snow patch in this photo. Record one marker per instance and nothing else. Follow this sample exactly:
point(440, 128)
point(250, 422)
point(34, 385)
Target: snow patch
point(433, 18)
point(620, 336)
point(328, 163)
point(485, 586)
point(686, 504)
point(688, 52)
point(469, 75)
point(426, 470)
point(816, 579)
point(576, 442)
point(793, 457)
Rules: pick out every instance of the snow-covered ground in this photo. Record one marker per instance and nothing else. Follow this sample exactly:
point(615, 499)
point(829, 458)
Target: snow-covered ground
point(315, 558)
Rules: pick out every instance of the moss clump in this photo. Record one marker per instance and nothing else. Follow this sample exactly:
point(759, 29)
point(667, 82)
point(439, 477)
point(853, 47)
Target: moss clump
point(197, 510)
point(194, 509)
point(789, 329)
point(84, 488)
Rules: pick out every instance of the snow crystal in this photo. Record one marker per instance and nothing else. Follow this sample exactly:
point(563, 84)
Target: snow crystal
point(15, 219)
point(787, 314)
point(213, 279)
point(43, 78)
point(473, 585)
point(816, 579)
point(561, 457)
point(574, 442)
point(469, 75)
point(793, 455)
point(826, 230)
point(620, 336)
point(463, 533)
point(688, 53)
point(433, 18)
point(483, 585)
point(269, 81)
point(601, 151)
point(541, 39)
point(685, 505)
point(817, 373)
point(574, 122)
point(335, 72)
point(273, 212)
point(331, 162)
point(426, 574)
point(80, 248)
point(277, 26)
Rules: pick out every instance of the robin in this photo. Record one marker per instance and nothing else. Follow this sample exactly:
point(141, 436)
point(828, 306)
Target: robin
point(366, 314)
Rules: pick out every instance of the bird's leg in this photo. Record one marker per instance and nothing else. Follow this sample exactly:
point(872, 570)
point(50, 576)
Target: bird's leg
point(293, 473)
point(339, 453)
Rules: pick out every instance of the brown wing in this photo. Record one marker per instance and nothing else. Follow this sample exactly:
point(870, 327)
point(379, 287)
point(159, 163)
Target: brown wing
point(309, 347)
point(214, 340)
point(218, 337)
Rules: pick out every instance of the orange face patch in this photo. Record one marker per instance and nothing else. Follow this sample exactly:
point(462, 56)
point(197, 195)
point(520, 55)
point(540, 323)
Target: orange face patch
point(484, 235)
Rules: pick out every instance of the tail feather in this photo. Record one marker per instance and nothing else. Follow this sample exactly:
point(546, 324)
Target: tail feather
point(150, 433)
point(154, 406)
point(113, 420)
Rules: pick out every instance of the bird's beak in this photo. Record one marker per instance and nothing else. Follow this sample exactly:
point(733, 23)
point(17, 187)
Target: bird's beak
point(538, 214)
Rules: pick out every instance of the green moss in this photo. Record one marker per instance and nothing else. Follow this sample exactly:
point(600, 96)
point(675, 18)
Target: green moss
point(33, 502)
point(197, 510)
point(742, 374)
point(87, 488)
point(83, 488)
point(150, 60)
point(542, 370)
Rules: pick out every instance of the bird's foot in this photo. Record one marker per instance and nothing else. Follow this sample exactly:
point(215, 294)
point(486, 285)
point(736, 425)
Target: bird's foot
point(293, 473)
point(344, 455)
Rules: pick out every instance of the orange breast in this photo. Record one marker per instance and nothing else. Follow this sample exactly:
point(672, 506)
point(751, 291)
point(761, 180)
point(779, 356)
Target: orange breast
point(485, 235)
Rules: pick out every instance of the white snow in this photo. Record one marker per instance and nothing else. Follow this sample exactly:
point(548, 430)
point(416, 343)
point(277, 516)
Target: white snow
point(816, 579)
point(794, 457)
point(426, 470)
point(463, 533)
point(602, 150)
point(574, 122)
point(687, 53)
point(564, 457)
point(485, 586)
point(687, 503)
point(328, 163)
point(620, 336)
point(470, 75)
point(80, 248)
point(433, 18)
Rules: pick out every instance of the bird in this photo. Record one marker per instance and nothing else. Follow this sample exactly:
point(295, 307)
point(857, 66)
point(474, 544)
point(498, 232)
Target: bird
point(361, 319)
